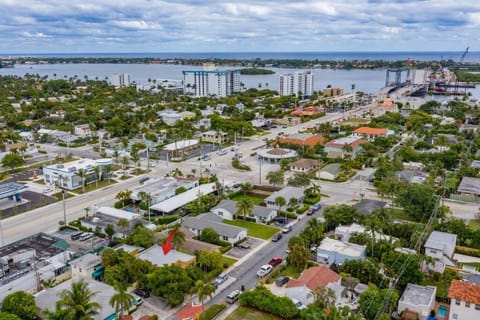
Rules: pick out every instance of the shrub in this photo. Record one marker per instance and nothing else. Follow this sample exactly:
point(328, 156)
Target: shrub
point(224, 249)
point(262, 299)
point(118, 205)
point(237, 165)
point(468, 251)
point(303, 209)
point(166, 219)
point(212, 312)
point(291, 215)
point(312, 200)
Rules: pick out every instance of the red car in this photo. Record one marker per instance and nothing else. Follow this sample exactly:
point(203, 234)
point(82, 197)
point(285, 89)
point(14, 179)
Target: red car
point(275, 261)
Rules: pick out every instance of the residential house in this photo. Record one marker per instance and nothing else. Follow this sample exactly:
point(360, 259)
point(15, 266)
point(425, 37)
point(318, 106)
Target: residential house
point(330, 171)
point(170, 117)
point(304, 165)
point(367, 206)
point(337, 148)
point(288, 121)
point(469, 186)
point(27, 135)
point(345, 232)
point(213, 136)
point(82, 130)
point(303, 288)
point(171, 205)
point(414, 166)
point(440, 246)
point(47, 299)
point(418, 299)
point(370, 134)
point(303, 139)
point(225, 232)
point(464, 300)
point(227, 209)
point(386, 106)
point(160, 257)
point(88, 265)
point(307, 111)
point(412, 176)
point(287, 193)
point(332, 251)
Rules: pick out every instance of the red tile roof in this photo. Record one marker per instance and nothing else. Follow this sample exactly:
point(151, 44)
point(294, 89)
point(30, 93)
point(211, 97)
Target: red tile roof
point(368, 130)
point(311, 141)
point(464, 291)
point(315, 277)
point(190, 311)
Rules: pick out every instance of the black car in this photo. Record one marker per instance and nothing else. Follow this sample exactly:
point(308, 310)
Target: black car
point(142, 293)
point(281, 281)
point(277, 237)
point(143, 179)
point(281, 220)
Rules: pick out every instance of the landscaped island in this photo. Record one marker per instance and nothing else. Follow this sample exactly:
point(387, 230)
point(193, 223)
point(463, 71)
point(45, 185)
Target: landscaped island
point(255, 71)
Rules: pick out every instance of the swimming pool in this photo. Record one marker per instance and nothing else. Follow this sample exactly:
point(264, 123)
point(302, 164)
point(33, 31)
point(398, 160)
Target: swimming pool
point(442, 311)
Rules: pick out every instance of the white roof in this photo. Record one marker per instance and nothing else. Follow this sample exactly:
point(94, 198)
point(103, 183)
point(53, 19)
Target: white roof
point(73, 166)
point(345, 248)
point(117, 213)
point(438, 240)
point(155, 255)
point(86, 261)
point(350, 229)
point(182, 144)
point(184, 198)
point(418, 295)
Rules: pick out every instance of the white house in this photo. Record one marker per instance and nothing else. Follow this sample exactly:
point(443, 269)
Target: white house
point(82, 130)
point(465, 300)
point(225, 232)
point(227, 209)
point(440, 246)
point(86, 265)
point(332, 251)
point(287, 193)
point(303, 288)
point(419, 299)
point(330, 171)
point(345, 232)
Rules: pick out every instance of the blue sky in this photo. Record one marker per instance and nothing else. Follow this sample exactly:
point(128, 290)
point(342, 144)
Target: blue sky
point(73, 26)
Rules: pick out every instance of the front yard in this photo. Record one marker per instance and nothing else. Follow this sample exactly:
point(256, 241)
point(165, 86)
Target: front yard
point(254, 229)
point(244, 313)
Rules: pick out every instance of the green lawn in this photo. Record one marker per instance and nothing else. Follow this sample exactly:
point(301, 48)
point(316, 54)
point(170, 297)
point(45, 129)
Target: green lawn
point(93, 186)
point(254, 229)
point(244, 313)
point(240, 197)
point(290, 272)
point(228, 261)
point(474, 224)
point(400, 214)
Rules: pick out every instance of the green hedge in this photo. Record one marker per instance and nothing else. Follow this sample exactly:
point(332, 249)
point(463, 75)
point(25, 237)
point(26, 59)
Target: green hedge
point(166, 219)
point(311, 200)
point(212, 311)
point(224, 249)
point(291, 215)
point(303, 209)
point(468, 251)
point(237, 165)
point(262, 299)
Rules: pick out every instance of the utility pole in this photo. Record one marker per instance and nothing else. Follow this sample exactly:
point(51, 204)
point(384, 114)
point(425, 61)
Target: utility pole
point(260, 172)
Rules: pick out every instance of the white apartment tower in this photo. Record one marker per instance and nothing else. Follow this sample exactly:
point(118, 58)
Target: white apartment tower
point(293, 83)
point(219, 83)
point(120, 80)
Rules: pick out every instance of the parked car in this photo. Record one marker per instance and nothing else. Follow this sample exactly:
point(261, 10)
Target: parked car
point(317, 206)
point(276, 237)
point(281, 281)
point(264, 270)
point(142, 293)
point(85, 236)
point(233, 296)
point(275, 261)
point(222, 152)
point(310, 211)
point(76, 235)
point(244, 245)
point(47, 190)
point(281, 220)
point(143, 179)
point(221, 278)
point(287, 229)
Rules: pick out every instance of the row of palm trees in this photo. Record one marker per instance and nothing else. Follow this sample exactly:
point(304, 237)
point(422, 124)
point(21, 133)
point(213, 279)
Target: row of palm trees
point(79, 303)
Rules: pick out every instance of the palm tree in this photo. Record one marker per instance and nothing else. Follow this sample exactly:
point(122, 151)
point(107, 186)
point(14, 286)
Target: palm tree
point(280, 202)
point(97, 175)
point(123, 224)
point(203, 291)
point(121, 300)
point(116, 154)
point(147, 199)
point(347, 151)
point(245, 187)
point(79, 299)
point(124, 164)
point(178, 239)
point(177, 173)
point(60, 314)
point(292, 202)
point(82, 173)
point(244, 208)
point(135, 158)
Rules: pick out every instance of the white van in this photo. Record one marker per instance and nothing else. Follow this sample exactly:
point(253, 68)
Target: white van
point(85, 236)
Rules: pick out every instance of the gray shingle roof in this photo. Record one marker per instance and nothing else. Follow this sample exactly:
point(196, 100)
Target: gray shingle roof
point(211, 220)
point(469, 185)
point(262, 212)
point(227, 205)
point(287, 193)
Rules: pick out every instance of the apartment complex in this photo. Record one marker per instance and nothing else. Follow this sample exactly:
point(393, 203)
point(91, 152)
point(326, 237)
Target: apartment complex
point(120, 80)
point(219, 83)
point(295, 83)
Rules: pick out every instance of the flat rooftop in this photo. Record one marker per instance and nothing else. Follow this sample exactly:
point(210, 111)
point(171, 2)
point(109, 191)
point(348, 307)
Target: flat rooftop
point(155, 255)
point(73, 166)
point(345, 248)
point(418, 295)
point(10, 189)
point(45, 246)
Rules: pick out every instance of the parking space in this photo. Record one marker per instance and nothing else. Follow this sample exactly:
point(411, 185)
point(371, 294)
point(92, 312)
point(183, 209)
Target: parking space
point(248, 246)
point(81, 247)
point(31, 200)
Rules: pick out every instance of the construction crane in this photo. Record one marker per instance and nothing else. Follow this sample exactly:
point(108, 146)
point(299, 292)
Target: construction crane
point(464, 55)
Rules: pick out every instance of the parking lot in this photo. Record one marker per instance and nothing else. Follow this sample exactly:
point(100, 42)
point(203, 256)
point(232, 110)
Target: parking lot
point(81, 247)
point(238, 253)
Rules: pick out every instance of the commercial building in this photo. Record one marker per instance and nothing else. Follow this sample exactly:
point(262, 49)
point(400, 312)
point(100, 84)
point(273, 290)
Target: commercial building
point(66, 175)
point(299, 83)
point(12, 190)
point(332, 251)
point(88, 265)
point(82, 130)
point(120, 80)
point(465, 300)
point(304, 165)
point(204, 83)
point(370, 133)
point(213, 136)
point(162, 189)
point(274, 155)
point(303, 139)
point(178, 150)
point(417, 299)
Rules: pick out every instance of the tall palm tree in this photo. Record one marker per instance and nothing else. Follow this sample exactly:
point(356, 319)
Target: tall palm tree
point(121, 300)
point(60, 314)
point(280, 202)
point(97, 175)
point(203, 291)
point(178, 239)
point(124, 164)
point(82, 173)
point(79, 299)
point(147, 199)
point(244, 208)
point(123, 224)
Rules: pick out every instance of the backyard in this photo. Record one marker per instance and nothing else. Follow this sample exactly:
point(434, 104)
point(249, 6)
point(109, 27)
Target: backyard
point(240, 197)
point(254, 229)
point(243, 313)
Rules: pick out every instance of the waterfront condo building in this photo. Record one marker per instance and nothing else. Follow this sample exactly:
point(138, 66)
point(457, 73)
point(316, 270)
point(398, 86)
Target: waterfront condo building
point(219, 83)
point(295, 83)
point(120, 80)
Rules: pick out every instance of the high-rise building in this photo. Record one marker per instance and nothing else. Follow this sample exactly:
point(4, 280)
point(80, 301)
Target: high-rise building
point(120, 80)
point(219, 83)
point(295, 83)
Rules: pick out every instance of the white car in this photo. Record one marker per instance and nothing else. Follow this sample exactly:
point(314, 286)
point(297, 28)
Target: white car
point(264, 270)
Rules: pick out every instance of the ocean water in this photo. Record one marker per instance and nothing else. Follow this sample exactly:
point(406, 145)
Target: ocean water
point(336, 56)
